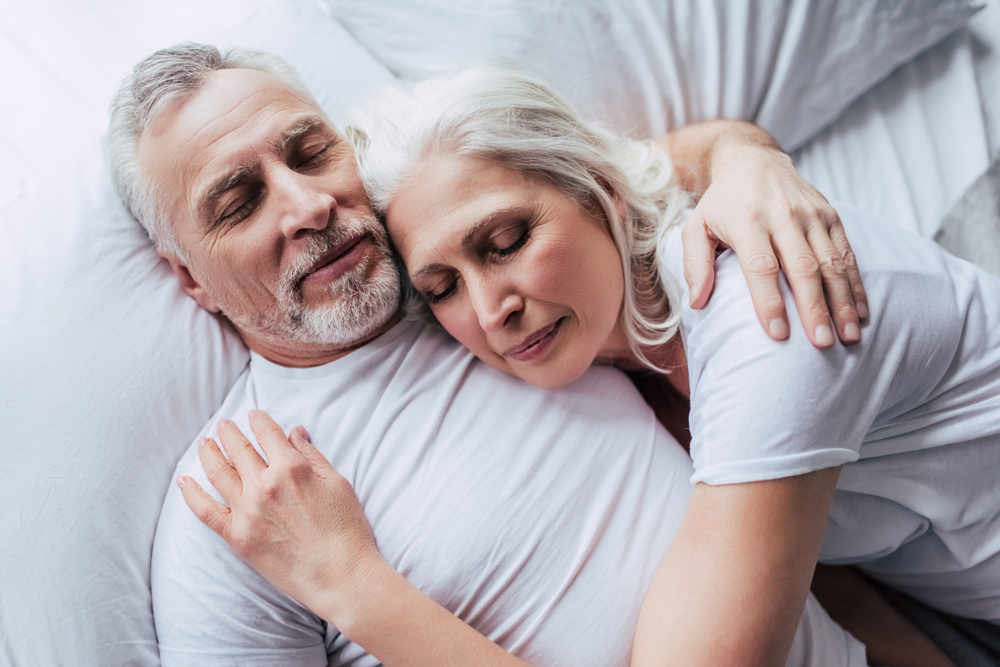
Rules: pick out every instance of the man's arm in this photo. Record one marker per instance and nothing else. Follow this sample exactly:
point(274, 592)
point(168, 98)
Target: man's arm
point(890, 639)
point(753, 200)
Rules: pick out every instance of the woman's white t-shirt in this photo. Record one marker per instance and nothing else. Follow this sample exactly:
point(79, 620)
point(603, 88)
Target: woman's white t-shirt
point(912, 412)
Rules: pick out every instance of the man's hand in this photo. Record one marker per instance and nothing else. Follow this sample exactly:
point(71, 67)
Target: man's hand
point(755, 202)
point(294, 519)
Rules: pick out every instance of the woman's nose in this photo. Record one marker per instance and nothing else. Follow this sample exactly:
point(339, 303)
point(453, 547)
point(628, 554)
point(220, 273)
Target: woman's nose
point(304, 206)
point(496, 306)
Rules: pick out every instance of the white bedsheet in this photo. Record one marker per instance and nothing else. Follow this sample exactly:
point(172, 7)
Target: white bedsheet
point(910, 148)
point(96, 372)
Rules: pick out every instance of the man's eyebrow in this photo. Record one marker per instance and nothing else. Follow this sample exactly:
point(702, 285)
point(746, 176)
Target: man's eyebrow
point(223, 185)
point(305, 125)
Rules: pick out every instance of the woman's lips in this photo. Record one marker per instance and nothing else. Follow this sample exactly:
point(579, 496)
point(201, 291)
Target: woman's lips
point(535, 345)
point(337, 261)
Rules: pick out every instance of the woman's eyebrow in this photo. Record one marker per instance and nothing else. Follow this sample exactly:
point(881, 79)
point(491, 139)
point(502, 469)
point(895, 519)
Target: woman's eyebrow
point(470, 236)
point(426, 271)
point(467, 239)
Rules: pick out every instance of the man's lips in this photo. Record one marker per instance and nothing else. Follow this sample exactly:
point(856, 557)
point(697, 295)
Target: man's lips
point(336, 261)
point(535, 344)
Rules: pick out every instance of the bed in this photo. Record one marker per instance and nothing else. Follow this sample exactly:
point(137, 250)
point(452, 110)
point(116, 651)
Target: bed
point(107, 371)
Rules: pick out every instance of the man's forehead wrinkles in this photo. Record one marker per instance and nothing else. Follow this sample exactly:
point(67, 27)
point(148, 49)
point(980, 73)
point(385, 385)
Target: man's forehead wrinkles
point(238, 162)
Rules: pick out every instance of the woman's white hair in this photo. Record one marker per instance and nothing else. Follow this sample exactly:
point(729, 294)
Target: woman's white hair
point(161, 78)
point(498, 111)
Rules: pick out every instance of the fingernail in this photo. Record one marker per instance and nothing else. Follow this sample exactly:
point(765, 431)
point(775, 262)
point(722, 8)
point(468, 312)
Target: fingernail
point(778, 328)
point(304, 434)
point(694, 293)
point(862, 310)
point(221, 424)
point(852, 332)
point(824, 336)
point(252, 414)
point(202, 442)
point(180, 482)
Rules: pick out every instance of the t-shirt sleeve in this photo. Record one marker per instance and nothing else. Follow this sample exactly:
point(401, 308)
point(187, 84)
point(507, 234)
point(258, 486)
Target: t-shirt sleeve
point(211, 608)
point(764, 410)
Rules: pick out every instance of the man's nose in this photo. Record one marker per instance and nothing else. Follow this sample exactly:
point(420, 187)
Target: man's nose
point(304, 206)
point(495, 304)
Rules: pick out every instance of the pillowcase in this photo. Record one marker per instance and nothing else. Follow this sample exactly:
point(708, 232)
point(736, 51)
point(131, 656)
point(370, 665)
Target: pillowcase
point(643, 67)
point(107, 373)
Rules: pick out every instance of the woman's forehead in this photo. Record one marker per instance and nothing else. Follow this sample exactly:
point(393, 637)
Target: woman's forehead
point(446, 199)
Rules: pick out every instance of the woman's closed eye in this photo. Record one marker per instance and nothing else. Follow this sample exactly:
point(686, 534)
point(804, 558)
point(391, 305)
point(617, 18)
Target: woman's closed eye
point(500, 246)
point(511, 240)
point(441, 292)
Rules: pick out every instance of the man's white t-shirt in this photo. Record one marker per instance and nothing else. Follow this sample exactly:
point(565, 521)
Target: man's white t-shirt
point(537, 516)
point(912, 412)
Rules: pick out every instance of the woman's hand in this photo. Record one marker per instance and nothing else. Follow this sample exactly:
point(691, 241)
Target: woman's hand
point(294, 519)
point(297, 522)
point(755, 202)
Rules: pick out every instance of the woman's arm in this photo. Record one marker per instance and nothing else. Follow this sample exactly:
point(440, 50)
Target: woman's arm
point(732, 586)
point(297, 522)
point(753, 200)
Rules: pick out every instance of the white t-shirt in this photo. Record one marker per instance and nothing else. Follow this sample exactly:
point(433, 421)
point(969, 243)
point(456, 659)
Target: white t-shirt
point(536, 516)
point(912, 412)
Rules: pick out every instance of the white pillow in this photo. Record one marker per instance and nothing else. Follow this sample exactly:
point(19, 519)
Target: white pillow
point(644, 67)
point(107, 372)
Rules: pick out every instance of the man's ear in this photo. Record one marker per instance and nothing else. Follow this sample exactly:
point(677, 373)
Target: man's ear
point(191, 286)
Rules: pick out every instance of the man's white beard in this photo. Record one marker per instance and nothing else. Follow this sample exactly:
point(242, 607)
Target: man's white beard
point(361, 303)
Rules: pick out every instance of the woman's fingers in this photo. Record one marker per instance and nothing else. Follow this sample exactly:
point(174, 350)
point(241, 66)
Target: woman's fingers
point(299, 439)
point(270, 436)
point(209, 511)
point(221, 474)
point(240, 451)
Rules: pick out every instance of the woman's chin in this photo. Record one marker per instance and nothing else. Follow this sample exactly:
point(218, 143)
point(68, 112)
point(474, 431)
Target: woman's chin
point(553, 378)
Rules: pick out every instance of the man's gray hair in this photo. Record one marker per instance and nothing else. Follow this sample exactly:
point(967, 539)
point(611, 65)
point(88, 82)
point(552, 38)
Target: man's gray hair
point(498, 111)
point(164, 77)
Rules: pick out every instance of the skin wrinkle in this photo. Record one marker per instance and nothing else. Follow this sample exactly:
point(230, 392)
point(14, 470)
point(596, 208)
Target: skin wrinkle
point(498, 303)
point(252, 268)
point(206, 204)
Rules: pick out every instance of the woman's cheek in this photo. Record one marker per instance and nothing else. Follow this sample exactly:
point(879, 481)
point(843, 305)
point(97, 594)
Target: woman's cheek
point(460, 320)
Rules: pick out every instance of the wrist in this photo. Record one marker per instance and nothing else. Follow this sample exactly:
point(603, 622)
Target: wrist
point(349, 598)
point(741, 137)
point(746, 154)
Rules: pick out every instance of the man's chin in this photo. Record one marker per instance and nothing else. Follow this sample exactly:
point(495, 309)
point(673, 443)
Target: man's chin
point(351, 320)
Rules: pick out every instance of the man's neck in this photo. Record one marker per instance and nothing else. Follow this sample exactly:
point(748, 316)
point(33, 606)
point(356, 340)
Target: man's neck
point(307, 355)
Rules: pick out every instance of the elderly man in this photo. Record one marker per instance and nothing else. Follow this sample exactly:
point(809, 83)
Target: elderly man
point(536, 517)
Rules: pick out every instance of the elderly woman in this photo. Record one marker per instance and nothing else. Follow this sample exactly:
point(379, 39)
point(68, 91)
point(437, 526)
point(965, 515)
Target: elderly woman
point(545, 245)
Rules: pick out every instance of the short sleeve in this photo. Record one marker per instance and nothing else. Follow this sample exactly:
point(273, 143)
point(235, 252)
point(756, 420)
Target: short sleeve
point(762, 409)
point(211, 608)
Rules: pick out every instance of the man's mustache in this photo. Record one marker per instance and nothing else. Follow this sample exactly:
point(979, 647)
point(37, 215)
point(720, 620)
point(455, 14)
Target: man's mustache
point(321, 242)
